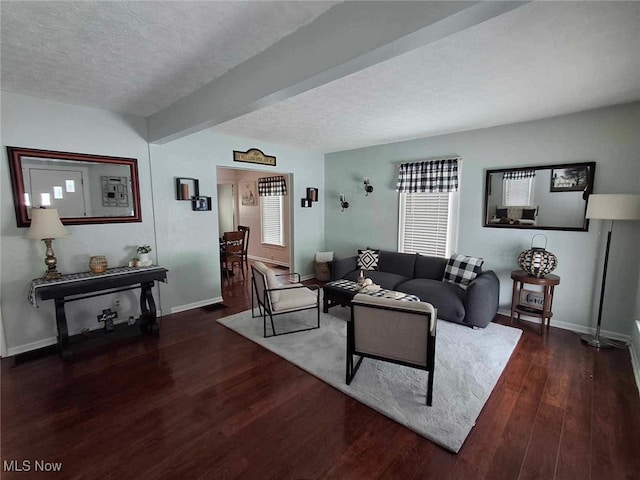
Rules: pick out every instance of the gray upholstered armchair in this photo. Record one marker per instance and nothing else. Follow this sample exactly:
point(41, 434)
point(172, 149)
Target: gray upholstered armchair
point(393, 331)
point(275, 297)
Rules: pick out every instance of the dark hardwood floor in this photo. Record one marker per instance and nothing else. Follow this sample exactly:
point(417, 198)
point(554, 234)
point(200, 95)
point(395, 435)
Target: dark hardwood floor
point(201, 401)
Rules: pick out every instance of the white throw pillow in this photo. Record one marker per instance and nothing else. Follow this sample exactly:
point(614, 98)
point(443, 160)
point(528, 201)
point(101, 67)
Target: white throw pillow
point(324, 257)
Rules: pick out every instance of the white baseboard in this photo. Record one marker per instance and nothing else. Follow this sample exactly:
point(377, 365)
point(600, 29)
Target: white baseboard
point(268, 260)
point(27, 347)
point(635, 353)
point(191, 306)
point(46, 342)
point(311, 276)
point(574, 327)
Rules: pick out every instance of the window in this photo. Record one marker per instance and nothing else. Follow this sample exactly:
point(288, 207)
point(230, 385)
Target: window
point(517, 191)
point(271, 217)
point(426, 224)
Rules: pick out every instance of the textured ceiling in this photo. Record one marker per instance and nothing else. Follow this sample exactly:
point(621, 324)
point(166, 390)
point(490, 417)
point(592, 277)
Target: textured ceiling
point(540, 60)
point(135, 57)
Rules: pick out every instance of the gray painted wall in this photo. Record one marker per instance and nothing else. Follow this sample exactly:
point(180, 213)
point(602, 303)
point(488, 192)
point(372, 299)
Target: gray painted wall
point(608, 136)
point(36, 123)
point(186, 239)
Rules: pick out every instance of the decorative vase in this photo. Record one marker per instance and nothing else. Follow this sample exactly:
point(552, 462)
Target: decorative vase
point(537, 261)
point(98, 264)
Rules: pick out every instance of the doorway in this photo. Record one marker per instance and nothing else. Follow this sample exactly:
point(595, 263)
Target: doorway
point(240, 204)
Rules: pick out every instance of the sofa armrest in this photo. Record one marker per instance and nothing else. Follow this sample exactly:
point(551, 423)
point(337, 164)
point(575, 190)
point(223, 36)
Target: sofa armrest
point(481, 299)
point(343, 266)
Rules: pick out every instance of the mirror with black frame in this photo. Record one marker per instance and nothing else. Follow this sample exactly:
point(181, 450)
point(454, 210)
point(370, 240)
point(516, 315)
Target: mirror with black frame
point(86, 189)
point(544, 197)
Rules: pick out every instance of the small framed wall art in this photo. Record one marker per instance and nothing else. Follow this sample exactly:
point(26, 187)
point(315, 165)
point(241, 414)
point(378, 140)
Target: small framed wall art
point(201, 203)
point(186, 188)
point(312, 194)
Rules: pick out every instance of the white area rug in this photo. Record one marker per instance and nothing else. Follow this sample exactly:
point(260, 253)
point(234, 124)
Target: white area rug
point(468, 365)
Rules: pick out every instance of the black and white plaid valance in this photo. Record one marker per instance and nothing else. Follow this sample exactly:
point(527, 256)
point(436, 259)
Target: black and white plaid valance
point(517, 174)
point(435, 176)
point(272, 186)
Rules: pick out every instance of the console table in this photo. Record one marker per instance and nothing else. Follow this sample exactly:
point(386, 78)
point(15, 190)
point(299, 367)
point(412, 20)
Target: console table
point(78, 286)
point(543, 311)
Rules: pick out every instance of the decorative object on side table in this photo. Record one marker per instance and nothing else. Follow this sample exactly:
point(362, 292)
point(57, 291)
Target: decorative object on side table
point(609, 207)
point(107, 317)
point(143, 256)
point(98, 264)
point(45, 226)
point(537, 261)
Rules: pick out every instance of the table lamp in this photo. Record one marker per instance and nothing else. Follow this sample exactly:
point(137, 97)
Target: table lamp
point(609, 207)
point(45, 226)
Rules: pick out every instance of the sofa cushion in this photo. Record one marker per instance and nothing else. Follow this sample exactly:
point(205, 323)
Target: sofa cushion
point(398, 263)
point(461, 270)
point(447, 298)
point(528, 213)
point(384, 279)
point(368, 259)
point(429, 267)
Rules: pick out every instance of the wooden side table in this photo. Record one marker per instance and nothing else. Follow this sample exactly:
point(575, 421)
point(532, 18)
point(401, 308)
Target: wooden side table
point(540, 310)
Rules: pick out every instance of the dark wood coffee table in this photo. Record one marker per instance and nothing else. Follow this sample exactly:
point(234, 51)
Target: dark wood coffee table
point(341, 292)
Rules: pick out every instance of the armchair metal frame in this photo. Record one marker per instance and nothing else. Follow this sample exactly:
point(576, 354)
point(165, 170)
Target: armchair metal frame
point(265, 306)
point(352, 349)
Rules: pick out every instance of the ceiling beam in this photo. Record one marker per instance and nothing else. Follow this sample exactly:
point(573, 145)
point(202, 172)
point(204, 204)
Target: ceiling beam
point(347, 38)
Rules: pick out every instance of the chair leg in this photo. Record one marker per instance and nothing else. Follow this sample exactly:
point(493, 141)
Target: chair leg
point(430, 389)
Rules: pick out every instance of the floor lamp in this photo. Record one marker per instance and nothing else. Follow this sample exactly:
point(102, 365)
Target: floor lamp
point(609, 207)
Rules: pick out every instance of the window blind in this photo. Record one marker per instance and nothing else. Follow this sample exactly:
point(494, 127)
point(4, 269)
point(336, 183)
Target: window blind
point(424, 219)
point(272, 220)
point(517, 191)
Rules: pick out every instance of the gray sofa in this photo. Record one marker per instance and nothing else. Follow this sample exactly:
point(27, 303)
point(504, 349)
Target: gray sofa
point(421, 275)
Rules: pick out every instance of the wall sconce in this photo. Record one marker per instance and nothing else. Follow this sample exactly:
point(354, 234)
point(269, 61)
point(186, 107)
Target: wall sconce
point(343, 203)
point(368, 188)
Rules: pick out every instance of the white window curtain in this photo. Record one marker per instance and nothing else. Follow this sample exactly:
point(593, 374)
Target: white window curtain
point(271, 220)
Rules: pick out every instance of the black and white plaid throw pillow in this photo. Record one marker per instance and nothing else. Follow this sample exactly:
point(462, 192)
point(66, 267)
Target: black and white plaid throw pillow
point(368, 259)
point(461, 270)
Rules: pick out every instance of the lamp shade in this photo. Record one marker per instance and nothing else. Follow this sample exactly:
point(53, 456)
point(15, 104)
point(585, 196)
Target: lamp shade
point(614, 207)
point(45, 223)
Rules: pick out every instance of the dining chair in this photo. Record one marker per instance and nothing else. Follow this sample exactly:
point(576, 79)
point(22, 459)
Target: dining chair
point(232, 251)
point(245, 254)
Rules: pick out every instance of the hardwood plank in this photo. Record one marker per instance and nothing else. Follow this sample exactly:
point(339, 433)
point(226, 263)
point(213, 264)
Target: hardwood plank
point(201, 401)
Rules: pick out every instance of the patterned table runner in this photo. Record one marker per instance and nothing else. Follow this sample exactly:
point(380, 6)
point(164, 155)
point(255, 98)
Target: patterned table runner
point(383, 292)
point(75, 277)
